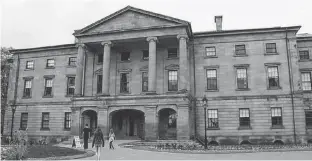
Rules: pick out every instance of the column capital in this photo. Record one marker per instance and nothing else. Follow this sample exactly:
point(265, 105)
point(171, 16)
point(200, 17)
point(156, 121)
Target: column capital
point(182, 37)
point(80, 45)
point(106, 43)
point(151, 39)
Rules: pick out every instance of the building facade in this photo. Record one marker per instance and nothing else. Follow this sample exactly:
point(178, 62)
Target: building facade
point(145, 75)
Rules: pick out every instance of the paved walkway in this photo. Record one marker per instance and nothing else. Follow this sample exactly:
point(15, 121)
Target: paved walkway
point(132, 154)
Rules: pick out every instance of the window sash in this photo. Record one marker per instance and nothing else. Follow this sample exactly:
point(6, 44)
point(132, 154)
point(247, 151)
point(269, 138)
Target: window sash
point(240, 50)
point(125, 56)
point(172, 80)
point(144, 81)
point(211, 51)
point(50, 63)
point(212, 79)
point(244, 121)
point(70, 85)
point(24, 120)
point(273, 77)
point(72, 61)
point(172, 53)
point(308, 118)
point(67, 124)
point(45, 120)
point(276, 112)
point(242, 81)
point(99, 84)
point(30, 65)
point(244, 113)
point(306, 81)
point(27, 88)
point(271, 47)
point(124, 82)
point(304, 55)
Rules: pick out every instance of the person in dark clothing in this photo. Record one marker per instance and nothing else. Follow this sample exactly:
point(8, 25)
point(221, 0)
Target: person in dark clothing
point(86, 132)
point(98, 141)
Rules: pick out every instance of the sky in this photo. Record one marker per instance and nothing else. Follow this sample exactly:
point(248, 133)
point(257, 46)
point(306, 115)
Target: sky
point(36, 23)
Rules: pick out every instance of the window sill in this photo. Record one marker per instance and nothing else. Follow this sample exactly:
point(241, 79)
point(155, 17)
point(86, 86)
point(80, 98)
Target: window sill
point(172, 92)
point(144, 60)
point(66, 129)
point(125, 61)
point(244, 128)
point(215, 128)
point(25, 97)
point(212, 90)
point(124, 93)
point(71, 66)
point(240, 55)
point(271, 54)
point(210, 57)
point(49, 67)
point(274, 88)
point(172, 58)
point(69, 95)
point(101, 94)
point(47, 96)
point(278, 127)
point(242, 89)
point(304, 60)
point(28, 69)
point(44, 129)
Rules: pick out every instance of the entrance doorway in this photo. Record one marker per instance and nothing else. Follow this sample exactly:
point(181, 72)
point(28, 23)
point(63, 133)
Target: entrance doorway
point(89, 117)
point(128, 124)
point(167, 126)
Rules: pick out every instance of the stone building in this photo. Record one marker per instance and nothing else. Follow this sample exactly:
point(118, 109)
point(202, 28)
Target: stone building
point(145, 74)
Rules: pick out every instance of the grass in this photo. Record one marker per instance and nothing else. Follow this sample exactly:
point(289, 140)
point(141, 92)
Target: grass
point(46, 151)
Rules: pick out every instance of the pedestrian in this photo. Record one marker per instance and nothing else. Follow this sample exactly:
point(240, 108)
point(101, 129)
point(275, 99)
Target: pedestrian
point(111, 139)
point(98, 141)
point(86, 132)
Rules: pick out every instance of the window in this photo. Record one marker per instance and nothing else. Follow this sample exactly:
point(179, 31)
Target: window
point(45, 120)
point(173, 80)
point(124, 83)
point(24, 119)
point(270, 47)
point(125, 56)
point(244, 118)
point(70, 86)
point(145, 54)
point(67, 120)
point(240, 50)
point(144, 82)
point(172, 53)
point(308, 116)
point(306, 81)
point(213, 119)
point(242, 81)
point(212, 79)
point(50, 63)
point(48, 87)
point(276, 113)
point(30, 64)
point(211, 51)
point(273, 77)
point(304, 55)
point(27, 88)
point(72, 61)
point(99, 84)
point(100, 58)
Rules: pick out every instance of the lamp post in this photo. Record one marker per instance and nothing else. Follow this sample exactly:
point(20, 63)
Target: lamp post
point(13, 112)
point(205, 100)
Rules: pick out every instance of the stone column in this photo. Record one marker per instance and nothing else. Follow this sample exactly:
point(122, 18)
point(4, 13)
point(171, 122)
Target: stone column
point(183, 127)
point(79, 69)
point(102, 120)
point(152, 64)
point(183, 62)
point(150, 123)
point(106, 66)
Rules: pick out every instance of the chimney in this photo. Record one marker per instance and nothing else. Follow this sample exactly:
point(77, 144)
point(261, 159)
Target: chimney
point(218, 21)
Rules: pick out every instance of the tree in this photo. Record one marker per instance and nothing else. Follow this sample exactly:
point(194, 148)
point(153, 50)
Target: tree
point(5, 71)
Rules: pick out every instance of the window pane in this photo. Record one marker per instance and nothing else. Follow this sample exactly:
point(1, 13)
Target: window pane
point(124, 82)
point(144, 81)
point(271, 47)
point(173, 81)
point(304, 55)
point(49, 82)
point(172, 53)
point(29, 64)
point(240, 49)
point(72, 61)
point(273, 77)
point(210, 51)
point(145, 54)
point(244, 113)
point(50, 62)
point(28, 84)
point(276, 111)
point(99, 84)
point(308, 115)
point(125, 56)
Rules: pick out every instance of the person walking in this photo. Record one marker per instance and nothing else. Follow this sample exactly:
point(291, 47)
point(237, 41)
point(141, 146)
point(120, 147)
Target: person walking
point(98, 141)
point(111, 139)
point(86, 132)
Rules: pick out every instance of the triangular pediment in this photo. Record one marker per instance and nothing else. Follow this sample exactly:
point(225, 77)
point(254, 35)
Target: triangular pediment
point(131, 18)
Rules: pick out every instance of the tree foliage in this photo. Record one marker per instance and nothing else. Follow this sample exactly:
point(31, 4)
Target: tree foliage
point(5, 70)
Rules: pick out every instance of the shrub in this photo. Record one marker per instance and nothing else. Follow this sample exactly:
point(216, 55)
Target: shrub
point(213, 143)
point(278, 142)
point(18, 146)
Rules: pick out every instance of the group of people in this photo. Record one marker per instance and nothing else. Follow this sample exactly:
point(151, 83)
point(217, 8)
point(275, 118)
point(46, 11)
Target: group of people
point(98, 139)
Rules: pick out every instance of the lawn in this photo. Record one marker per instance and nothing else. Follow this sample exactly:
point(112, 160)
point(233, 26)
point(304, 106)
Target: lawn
point(46, 151)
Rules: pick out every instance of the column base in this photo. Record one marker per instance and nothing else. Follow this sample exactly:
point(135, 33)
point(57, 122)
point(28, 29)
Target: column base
point(150, 93)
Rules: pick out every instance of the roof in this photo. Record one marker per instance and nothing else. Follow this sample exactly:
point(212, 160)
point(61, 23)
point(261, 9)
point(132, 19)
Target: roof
point(246, 31)
point(304, 37)
point(130, 8)
point(44, 48)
